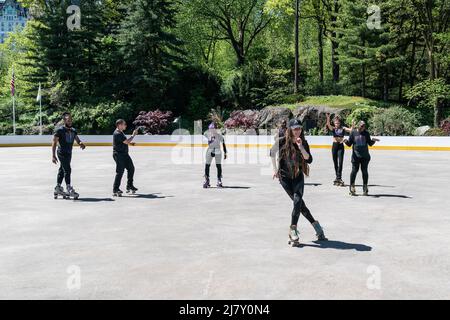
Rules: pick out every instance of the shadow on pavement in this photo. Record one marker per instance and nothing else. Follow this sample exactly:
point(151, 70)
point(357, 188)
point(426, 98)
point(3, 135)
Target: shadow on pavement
point(145, 196)
point(230, 187)
point(95, 200)
point(338, 245)
point(389, 196)
point(313, 184)
point(375, 185)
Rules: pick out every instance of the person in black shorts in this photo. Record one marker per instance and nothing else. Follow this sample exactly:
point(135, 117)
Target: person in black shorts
point(338, 149)
point(360, 140)
point(294, 157)
point(122, 158)
point(62, 146)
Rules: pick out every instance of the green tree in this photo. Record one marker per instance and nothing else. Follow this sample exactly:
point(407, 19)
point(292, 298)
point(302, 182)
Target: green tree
point(151, 52)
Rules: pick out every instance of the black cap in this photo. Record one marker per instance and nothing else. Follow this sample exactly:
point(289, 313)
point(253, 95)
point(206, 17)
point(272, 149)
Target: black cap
point(295, 124)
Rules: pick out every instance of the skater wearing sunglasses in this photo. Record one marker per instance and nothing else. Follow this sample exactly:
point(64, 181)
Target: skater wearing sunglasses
point(360, 140)
point(294, 157)
point(214, 151)
point(62, 146)
point(338, 149)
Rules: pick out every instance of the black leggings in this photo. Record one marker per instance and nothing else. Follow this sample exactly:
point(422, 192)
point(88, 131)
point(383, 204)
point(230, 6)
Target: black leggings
point(364, 164)
point(65, 170)
point(294, 188)
point(338, 151)
point(219, 170)
point(123, 161)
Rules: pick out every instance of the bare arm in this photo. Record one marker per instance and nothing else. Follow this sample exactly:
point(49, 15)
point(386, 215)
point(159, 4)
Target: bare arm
point(273, 155)
point(129, 141)
point(329, 126)
point(81, 144)
point(54, 145)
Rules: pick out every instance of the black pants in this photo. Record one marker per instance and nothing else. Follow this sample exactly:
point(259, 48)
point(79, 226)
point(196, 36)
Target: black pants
point(356, 164)
point(338, 151)
point(123, 161)
point(295, 188)
point(219, 170)
point(65, 171)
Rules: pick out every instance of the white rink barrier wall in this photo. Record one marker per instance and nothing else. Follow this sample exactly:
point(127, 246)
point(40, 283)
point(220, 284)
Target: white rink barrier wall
point(233, 141)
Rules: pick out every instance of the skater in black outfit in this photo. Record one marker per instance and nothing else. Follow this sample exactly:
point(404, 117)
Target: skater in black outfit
point(63, 140)
point(122, 158)
point(294, 157)
point(215, 139)
point(360, 140)
point(338, 149)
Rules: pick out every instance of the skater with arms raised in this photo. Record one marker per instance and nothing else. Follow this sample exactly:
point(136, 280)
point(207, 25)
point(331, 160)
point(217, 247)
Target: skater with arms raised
point(338, 149)
point(122, 158)
point(62, 146)
point(214, 151)
point(294, 157)
point(360, 140)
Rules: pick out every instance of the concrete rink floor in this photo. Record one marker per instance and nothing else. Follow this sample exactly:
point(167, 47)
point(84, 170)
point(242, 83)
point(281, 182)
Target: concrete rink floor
point(177, 241)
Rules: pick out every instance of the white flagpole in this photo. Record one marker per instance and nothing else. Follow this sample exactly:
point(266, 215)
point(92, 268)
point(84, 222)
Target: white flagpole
point(40, 110)
point(40, 117)
point(14, 115)
point(13, 92)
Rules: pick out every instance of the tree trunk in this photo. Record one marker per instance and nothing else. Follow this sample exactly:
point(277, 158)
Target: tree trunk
point(438, 114)
point(334, 44)
point(296, 68)
point(363, 84)
point(385, 86)
point(320, 51)
point(432, 65)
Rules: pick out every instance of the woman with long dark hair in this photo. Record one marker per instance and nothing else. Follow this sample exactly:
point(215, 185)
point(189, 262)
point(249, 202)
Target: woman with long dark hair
point(294, 157)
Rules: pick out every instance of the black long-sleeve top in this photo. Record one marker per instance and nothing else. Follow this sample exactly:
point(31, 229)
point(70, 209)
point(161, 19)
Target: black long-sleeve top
point(360, 141)
point(286, 166)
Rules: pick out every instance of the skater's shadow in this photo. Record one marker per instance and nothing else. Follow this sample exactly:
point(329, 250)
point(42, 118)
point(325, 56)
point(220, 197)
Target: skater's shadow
point(313, 184)
point(230, 187)
point(338, 245)
point(146, 196)
point(95, 200)
point(235, 187)
point(389, 196)
point(375, 185)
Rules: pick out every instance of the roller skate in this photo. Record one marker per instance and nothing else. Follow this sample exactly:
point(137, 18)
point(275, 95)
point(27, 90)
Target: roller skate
point(117, 193)
point(132, 189)
point(336, 182)
point(71, 194)
point(219, 183)
point(341, 183)
point(319, 231)
point(206, 184)
point(294, 237)
point(365, 190)
point(352, 190)
point(59, 191)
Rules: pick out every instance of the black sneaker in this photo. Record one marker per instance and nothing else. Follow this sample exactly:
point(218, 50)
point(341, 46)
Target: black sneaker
point(117, 193)
point(132, 189)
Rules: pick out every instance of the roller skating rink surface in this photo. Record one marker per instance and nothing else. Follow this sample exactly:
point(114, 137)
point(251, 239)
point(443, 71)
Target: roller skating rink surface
point(175, 240)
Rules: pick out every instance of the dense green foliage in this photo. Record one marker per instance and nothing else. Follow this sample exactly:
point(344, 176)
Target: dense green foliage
point(192, 56)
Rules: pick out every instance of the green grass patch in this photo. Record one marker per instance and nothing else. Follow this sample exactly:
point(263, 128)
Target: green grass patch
point(342, 102)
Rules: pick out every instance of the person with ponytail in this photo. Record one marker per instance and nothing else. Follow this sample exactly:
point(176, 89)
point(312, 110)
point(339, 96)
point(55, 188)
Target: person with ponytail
point(294, 158)
point(214, 151)
point(338, 149)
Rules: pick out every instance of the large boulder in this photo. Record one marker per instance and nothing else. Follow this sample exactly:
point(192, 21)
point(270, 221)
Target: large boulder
point(315, 116)
point(420, 131)
point(273, 117)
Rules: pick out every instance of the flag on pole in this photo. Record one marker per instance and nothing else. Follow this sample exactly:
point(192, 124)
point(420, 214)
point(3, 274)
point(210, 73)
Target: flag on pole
point(39, 95)
point(13, 83)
